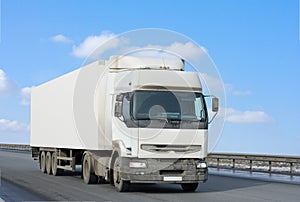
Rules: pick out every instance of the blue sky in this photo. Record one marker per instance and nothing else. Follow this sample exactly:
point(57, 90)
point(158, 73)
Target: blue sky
point(254, 44)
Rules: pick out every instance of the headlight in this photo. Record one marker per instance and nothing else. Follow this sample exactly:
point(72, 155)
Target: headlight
point(201, 165)
point(134, 164)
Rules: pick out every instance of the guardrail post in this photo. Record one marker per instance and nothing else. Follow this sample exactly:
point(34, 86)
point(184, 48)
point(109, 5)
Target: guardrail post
point(270, 166)
point(291, 168)
point(250, 165)
point(218, 162)
point(233, 163)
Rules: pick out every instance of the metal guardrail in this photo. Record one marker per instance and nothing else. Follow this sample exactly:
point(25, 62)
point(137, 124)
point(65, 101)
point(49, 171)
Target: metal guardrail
point(256, 163)
point(250, 162)
point(22, 147)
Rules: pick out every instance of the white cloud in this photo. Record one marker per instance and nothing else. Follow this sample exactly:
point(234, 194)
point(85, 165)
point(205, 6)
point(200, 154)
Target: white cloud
point(25, 95)
point(89, 46)
point(3, 80)
point(60, 38)
point(13, 126)
point(7, 87)
point(186, 50)
point(235, 116)
point(91, 43)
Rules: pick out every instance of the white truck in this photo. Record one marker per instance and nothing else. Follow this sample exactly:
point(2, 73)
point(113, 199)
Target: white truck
point(123, 120)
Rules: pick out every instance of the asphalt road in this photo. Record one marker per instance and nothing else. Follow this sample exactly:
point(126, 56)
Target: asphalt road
point(21, 180)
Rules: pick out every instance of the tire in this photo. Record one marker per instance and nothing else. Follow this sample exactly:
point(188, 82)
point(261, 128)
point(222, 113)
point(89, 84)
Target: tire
point(87, 171)
point(55, 171)
point(120, 184)
point(48, 163)
point(43, 162)
point(189, 187)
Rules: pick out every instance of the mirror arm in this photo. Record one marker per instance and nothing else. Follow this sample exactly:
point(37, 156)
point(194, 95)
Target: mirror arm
point(209, 122)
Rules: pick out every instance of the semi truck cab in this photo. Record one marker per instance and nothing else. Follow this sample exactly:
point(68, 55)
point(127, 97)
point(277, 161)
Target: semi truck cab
point(160, 124)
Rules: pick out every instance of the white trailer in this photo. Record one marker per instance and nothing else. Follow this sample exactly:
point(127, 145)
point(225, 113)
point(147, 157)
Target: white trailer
point(124, 120)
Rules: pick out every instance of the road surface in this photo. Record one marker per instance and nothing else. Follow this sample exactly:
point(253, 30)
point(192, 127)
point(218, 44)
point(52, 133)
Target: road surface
point(21, 180)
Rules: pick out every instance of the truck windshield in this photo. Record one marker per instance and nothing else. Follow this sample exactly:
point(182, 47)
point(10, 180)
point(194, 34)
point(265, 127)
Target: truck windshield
point(167, 105)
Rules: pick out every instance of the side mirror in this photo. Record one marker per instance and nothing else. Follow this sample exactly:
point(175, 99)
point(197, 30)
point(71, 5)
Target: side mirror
point(118, 109)
point(215, 104)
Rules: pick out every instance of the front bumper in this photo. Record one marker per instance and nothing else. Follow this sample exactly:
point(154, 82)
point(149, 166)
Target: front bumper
point(164, 171)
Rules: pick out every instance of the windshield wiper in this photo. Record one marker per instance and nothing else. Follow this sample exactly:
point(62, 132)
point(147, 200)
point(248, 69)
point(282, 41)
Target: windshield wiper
point(157, 119)
point(192, 120)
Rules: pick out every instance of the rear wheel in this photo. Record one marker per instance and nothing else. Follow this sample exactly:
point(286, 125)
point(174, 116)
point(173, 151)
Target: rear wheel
point(189, 187)
point(43, 162)
point(119, 183)
point(88, 176)
point(55, 170)
point(48, 163)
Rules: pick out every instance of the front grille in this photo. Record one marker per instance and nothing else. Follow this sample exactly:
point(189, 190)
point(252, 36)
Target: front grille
point(171, 148)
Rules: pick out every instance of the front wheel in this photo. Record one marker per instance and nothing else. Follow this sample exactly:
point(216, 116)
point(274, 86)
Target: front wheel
point(189, 187)
point(119, 183)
